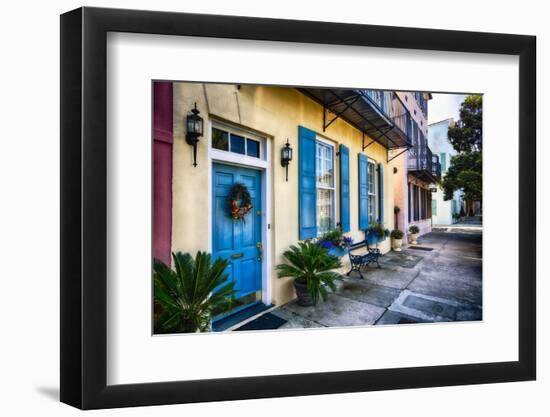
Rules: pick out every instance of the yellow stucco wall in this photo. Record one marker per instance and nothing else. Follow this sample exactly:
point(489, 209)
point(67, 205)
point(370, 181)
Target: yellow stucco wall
point(276, 113)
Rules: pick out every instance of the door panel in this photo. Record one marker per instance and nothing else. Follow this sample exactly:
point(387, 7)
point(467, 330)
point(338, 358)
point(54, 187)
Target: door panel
point(237, 240)
point(223, 229)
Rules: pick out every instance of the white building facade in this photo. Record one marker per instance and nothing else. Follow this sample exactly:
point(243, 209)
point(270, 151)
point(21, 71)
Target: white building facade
point(438, 140)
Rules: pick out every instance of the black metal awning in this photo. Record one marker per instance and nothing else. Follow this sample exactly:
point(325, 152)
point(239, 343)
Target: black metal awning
point(359, 109)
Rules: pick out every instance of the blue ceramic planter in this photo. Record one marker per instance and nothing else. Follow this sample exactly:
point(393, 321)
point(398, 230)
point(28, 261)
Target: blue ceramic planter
point(337, 251)
point(373, 239)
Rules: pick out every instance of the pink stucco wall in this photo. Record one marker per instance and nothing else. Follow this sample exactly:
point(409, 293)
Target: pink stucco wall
point(399, 169)
point(401, 177)
point(162, 170)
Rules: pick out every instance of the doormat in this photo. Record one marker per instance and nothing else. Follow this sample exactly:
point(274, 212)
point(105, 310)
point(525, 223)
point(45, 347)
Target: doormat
point(236, 318)
point(266, 322)
point(421, 248)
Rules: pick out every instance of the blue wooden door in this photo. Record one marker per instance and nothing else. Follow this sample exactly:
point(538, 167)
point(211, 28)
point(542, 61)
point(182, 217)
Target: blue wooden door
point(236, 240)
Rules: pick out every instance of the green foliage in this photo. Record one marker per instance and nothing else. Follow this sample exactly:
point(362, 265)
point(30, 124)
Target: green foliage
point(466, 135)
point(309, 263)
point(377, 230)
point(334, 239)
point(334, 236)
point(396, 234)
point(465, 173)
point(414, 229)
point(191, 293)
point(465, 170)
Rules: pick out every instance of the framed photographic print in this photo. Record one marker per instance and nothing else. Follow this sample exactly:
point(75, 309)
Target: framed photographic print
point(257, 208)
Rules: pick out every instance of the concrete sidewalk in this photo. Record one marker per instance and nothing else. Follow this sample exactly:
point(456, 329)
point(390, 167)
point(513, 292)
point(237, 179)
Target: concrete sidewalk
point(466, 223)
point(438, 280)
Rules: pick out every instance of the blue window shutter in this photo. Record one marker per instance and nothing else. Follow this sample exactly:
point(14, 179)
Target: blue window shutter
point(381, 193)
point(307, 189)
point(344, 188)
point(363, 193)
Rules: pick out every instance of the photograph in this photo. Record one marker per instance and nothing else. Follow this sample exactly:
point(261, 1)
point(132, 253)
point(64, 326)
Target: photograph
point(293, 207)
point(247, 208)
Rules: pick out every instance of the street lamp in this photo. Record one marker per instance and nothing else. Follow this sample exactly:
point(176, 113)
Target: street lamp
point(286, 157)
point(194, 130)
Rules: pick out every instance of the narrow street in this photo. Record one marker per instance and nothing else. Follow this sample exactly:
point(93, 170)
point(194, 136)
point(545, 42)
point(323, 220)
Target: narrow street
point(438, 280)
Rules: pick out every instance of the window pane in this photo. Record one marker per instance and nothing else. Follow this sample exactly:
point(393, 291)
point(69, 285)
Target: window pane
point(253, 148)
point(237, 144)
point(371, 178)
point(325, 211)
point(443, 161)
point(325, 165)
point(325, 181)
point(220, 139)
point(372, 208)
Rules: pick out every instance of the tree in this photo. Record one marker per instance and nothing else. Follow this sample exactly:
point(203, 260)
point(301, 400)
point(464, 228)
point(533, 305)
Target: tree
point(465, 170)
point(466, 134)
point(464, 174)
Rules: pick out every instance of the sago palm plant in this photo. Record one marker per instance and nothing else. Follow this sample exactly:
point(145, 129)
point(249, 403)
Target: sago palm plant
point(191, 293)
point(310, 265)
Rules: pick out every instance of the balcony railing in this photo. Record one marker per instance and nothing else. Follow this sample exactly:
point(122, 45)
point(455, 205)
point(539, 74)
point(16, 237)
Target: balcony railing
point(380, 115)
point(393, 108)
point(422, 163)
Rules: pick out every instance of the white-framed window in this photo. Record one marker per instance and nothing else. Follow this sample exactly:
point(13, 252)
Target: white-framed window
point(233, 140)
point(326, 210)
point(371, 181)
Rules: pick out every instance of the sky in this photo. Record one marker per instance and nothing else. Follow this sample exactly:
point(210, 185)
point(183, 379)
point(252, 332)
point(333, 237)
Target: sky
point(444, 106)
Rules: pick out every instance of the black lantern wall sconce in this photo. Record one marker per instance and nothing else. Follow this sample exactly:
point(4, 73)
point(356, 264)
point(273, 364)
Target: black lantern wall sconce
point(286, 157)
point(194, 130)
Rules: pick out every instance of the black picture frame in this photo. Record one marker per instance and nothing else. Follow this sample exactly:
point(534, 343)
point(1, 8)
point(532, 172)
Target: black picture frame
point(84, 207)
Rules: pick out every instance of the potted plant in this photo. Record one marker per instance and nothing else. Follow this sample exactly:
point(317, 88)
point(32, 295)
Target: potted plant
point(312, 268)
point(397, 239)
point(414, 230)
point(191, 293)
point(376, 233)
point(335, 242)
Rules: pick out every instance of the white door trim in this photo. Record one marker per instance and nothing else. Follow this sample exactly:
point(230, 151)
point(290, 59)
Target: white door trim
point(264, 165)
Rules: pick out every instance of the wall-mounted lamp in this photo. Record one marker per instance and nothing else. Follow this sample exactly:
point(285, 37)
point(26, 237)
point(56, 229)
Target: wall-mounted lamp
point(194, 130)
point(433, 190)
point(286, 157)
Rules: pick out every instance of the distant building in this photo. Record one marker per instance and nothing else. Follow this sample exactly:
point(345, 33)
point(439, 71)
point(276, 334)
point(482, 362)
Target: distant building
point(417, 170)
point(438, 141)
